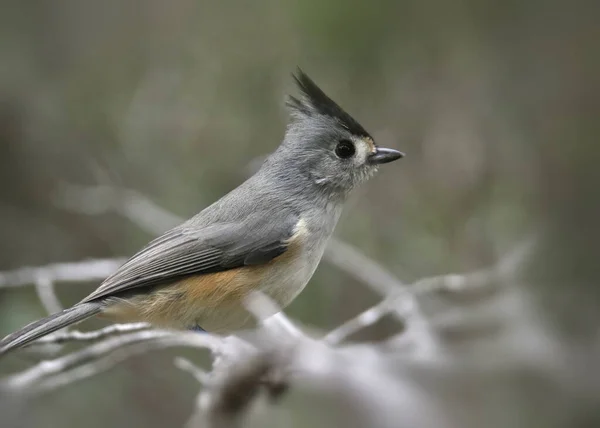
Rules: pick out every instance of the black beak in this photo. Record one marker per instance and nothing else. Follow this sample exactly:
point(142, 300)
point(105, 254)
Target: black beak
point(382, 155)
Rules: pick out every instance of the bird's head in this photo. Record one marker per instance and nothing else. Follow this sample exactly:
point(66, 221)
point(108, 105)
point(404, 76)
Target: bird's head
point(326, 144)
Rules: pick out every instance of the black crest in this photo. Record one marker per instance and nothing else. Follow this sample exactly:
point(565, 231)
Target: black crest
point(314, 100)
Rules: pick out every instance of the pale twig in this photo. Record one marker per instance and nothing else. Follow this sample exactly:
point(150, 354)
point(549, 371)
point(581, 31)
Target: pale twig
point(89, 336)
point(233, 388)
point(269, 314)
point(93, 368)
point(87, 270)
point(370, 381)
point(371, 273)
point(47, 368)
point(361, 321)
point(454, 283)
point(186, 365)
point(203, 378)
point(236, 382)
point(132, 205)
point(44, 287)
point(352, 261)
point(501, 272)
point(100, 356)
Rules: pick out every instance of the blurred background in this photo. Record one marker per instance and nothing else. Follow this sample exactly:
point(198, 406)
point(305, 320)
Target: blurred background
point(494, 103)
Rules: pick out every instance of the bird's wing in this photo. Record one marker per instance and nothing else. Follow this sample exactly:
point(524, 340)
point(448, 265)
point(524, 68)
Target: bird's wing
point(186, 250)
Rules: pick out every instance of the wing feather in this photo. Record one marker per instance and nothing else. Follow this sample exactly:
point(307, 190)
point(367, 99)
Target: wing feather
point(187, 250)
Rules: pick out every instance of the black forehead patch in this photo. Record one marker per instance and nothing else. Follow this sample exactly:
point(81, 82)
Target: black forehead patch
point(314, 100)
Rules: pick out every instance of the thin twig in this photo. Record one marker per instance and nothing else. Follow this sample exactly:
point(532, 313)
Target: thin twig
point(44, 286)
point(89, 336)
point(131, 204)
point(371, 273)
point(506, 267)
point(186, 365)
point(361, 321)
point(352, 261)
point(503, 271)
point(269, 314)
point(234, 385)
point(80, 363)
point(87, 270)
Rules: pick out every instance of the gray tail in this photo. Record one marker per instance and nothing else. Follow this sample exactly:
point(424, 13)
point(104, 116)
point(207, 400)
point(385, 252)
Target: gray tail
point(47, 325)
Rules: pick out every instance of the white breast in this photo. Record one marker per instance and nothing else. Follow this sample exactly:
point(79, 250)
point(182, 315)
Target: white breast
point(286, 280)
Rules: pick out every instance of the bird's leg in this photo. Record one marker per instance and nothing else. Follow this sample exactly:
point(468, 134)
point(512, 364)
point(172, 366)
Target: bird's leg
point(198, 329)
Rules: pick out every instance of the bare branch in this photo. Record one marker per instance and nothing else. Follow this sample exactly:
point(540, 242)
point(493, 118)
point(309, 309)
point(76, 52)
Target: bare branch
point(406, 309)
point(132, 205)
point(365, 319)
point(186, 365)
point(502, 271)
point(89, 336)
point(100, 356)
point(234, 386)
point(266, 311)
point(352, 261)
point(44, 287)
point(89, 270)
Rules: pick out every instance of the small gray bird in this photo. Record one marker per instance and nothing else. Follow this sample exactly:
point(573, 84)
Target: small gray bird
point(268, 234)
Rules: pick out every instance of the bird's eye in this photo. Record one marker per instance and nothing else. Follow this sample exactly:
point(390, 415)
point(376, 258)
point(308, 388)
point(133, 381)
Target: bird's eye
point(345, 149)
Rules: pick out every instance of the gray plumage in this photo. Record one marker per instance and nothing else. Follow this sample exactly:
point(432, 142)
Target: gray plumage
point(192, 249)
point(268, 234)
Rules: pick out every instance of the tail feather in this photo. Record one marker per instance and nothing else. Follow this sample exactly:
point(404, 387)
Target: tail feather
point(50, 324)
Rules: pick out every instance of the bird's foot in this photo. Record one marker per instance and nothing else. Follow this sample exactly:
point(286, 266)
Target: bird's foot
point(198, 329)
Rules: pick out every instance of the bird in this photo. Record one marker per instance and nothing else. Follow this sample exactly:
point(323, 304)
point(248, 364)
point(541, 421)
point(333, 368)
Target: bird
point(266, 235)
